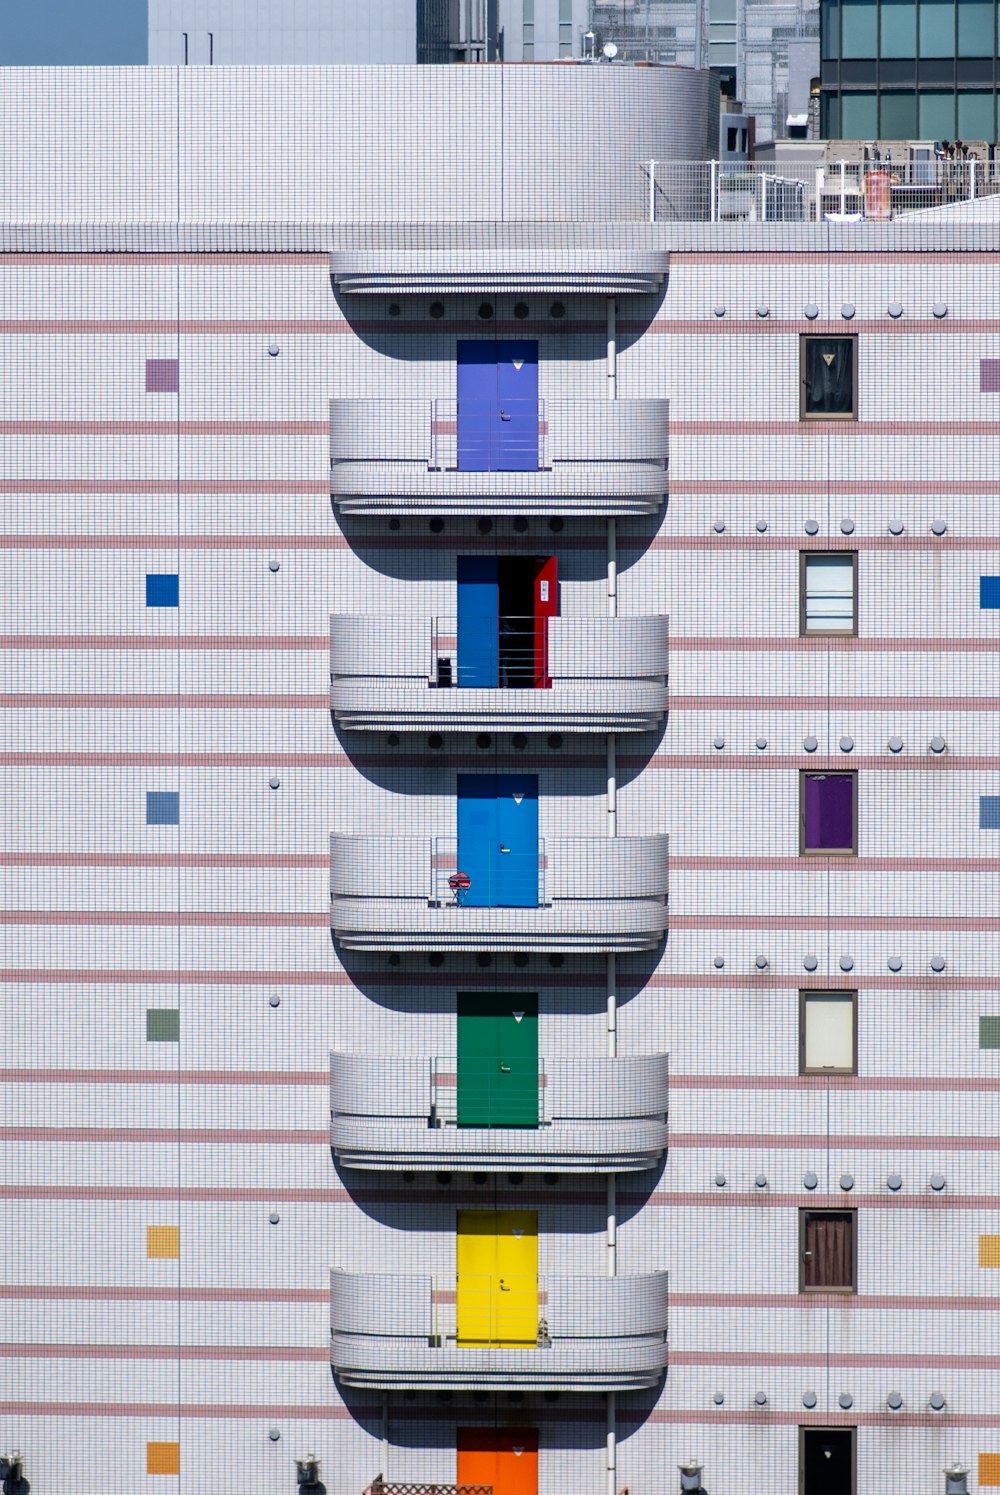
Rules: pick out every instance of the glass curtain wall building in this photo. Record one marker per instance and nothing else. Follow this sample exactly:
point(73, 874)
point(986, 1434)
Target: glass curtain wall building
point(909, 69)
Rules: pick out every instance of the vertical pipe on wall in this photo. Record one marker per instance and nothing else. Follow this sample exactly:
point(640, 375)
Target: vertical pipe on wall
point(612, 349)
point(385, 1435)
point(612, 786)
point(611, 1454)
point(612, 1008)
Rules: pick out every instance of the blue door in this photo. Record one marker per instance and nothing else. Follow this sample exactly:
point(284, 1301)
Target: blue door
point(498, 406)
point(478, 621)
point(498, 839)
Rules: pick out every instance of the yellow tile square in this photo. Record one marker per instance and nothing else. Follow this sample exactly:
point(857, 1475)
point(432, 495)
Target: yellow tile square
point(163, 1458)
point(163, 1240)
point(989, 1463)
point(989, 1250)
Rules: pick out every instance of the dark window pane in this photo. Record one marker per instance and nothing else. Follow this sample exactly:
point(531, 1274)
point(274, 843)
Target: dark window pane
point(829, 376)
point(829, 812)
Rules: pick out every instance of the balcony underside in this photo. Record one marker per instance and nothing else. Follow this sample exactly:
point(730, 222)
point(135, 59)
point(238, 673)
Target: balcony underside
point(581, 489)
point(603, 926)
point(600, 1147)
point(398, 1364)
point(612, 706)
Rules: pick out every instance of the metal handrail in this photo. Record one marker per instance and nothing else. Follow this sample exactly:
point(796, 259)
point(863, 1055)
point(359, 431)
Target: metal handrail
point(444, 863)
point(443, 450)
point(444, 1090)
point(444, 1303)
point(521, 653)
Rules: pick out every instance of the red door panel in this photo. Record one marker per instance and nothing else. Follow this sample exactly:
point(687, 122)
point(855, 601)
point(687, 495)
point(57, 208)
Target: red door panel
point(546, 607)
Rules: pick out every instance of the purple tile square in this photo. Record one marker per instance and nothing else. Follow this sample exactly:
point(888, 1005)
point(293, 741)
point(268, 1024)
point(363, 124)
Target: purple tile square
point(989, 376)
point(162, 376)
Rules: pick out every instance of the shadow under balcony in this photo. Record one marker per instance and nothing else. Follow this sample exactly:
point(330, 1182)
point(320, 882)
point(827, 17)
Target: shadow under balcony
point(591, 1115)
point(595, 895)
point(554, 674)
point(590, 457)
point(397, 1331)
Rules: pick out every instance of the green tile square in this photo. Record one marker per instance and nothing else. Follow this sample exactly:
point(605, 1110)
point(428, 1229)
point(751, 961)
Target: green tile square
point(163, 1024)
point(989, 1032)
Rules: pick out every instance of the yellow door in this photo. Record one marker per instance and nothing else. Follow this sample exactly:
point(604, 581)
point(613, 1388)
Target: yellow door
point(497, 1264)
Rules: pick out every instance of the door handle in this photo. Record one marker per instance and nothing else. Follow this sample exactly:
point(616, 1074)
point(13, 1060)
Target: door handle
point(503, 1286)
point(505, 1069)
point(504, 415)
point(505, 849)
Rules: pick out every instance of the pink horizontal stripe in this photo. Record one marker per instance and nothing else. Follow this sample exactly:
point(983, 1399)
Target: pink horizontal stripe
point(834, 1358)
point(860, 1141)
point(206, 1136)
point(800, 1418)
point(807, 428)
point(237, 641)
point(161, 485)
point(821, 487)
point(140, 258)
point(95, 541)
point(834, 703)
point(829, 921)
point(177, 859)
point(164, 1077)
point(61, 326)
point(847, 256)
point(888, 762)
point(293, 1353)
point(730, 644)
point(125, 1193)
point(175, 760)
point(917, 1083)
point(763, 981)
point(162, 918)
point(772, 326)
point(763, 1199)
point(324, 1412)
point(164, 428)
point(138, 701)
point(829, 864)
point(106, 1293)
point(809, 1302)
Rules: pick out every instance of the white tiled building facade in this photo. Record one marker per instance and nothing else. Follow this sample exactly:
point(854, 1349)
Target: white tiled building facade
point(201, 272)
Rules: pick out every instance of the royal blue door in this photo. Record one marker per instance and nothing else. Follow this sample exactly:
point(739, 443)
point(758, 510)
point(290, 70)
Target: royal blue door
point(478, 620)
point(498, 839)
point(498, 406)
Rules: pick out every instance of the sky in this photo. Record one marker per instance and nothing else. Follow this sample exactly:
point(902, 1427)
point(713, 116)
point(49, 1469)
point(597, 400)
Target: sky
point(53, 32)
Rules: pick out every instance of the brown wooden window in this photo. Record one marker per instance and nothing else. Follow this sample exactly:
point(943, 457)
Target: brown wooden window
point(829, 378)
point(828, 1250)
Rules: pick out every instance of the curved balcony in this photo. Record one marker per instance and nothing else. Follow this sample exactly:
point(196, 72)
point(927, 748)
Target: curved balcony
point(597, 675)
point(595, 1115)
point(596, 895)
point(594, 457)
point(395, 1331)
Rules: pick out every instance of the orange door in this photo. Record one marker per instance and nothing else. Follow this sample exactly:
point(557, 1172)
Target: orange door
point(503, 1459)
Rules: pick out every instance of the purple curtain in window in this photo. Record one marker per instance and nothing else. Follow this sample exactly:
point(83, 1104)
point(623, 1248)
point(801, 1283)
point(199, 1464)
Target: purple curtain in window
point(829, 812)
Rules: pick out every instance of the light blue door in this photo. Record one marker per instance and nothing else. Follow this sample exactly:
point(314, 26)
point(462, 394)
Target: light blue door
point(498, 839)
point(497, 389)
point(478, 621)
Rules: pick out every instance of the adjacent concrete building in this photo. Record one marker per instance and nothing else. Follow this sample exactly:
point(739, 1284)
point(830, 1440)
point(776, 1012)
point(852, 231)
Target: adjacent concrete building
point(501, 785)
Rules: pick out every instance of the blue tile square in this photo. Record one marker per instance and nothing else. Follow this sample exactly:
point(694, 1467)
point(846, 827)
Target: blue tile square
point(162, 590)
point(989, 591)
point(163, 807)
point(989, 812)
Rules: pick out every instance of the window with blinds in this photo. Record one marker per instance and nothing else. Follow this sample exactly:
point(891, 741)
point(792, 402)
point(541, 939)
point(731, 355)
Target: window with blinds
point(828, 592)
point(827, 1032)
point(827, 1242)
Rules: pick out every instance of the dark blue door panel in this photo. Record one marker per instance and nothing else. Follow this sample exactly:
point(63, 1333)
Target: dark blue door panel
point(497, 406)
point(517, 826)
point(477, 401)
point(517, 398)
point(477, 837)
point(478, 621)
point(498, 839)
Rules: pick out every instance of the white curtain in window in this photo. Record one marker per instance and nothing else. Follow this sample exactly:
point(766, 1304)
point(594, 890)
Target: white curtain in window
point(830, 593)
point(829, 1031)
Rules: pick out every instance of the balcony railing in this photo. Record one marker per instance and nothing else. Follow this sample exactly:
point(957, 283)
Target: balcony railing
point(576, 456)
point(586, 674)
point(394, 1330)
point(594, 895)
point(379, 1486)
point(579, 1115)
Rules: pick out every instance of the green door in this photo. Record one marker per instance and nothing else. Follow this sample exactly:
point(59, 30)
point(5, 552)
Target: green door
point(498, 1059)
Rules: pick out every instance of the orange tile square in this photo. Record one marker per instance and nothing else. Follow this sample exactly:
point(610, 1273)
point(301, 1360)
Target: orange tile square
point(989, 1250)
point(989, 1468)
point(163, 1458)
point(163, 1240)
